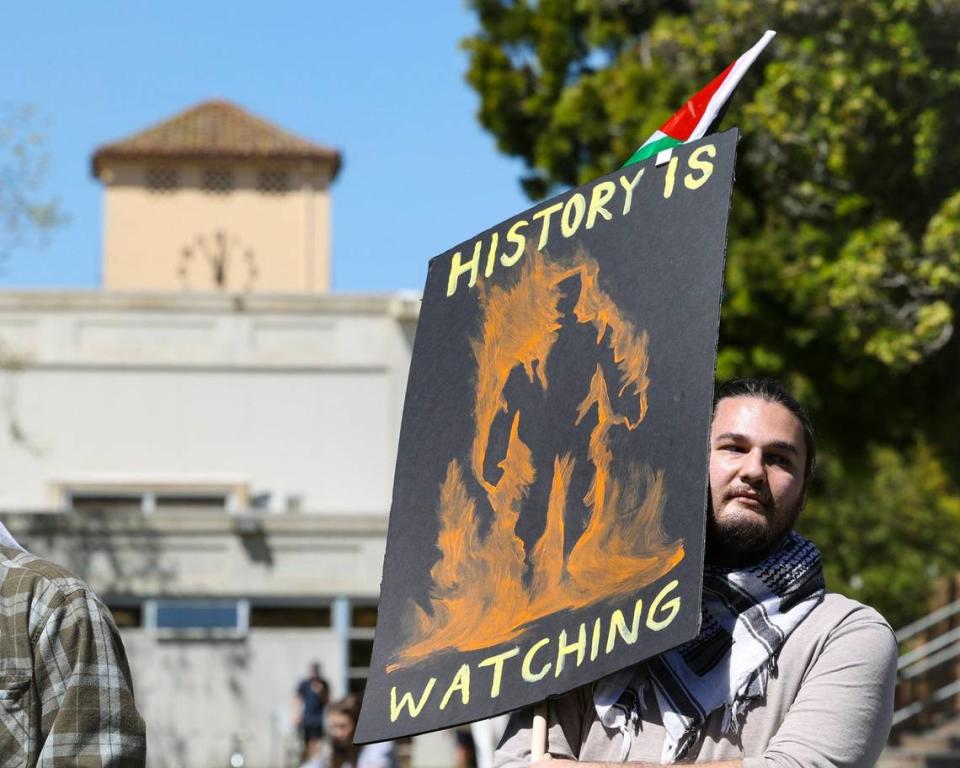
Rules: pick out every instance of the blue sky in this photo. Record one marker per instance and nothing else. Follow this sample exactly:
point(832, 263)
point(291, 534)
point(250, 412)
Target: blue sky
point(382, 82)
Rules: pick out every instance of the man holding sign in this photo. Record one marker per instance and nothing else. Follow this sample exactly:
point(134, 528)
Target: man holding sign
point(782, 672)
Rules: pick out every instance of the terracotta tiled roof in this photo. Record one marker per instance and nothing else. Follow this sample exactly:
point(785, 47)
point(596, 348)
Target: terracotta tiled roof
point(215, 130)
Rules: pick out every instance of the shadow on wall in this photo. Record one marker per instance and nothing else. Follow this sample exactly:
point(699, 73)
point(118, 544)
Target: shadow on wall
point(76, 542)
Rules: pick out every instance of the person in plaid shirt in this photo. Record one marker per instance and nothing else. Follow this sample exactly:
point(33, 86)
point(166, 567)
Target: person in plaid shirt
point(66, 697)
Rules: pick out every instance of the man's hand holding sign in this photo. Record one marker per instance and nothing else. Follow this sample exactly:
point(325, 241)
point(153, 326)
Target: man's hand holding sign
point(546, 538)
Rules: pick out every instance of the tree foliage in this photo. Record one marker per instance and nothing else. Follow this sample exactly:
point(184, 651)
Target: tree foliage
point(888, 531)
point(843, 263)
point(25, 210)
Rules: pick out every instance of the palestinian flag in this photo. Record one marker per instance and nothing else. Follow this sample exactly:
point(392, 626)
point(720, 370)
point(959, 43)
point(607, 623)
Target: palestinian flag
point(694, 118)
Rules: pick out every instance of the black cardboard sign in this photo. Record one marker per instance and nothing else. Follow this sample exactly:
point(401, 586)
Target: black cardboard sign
point(548, 507)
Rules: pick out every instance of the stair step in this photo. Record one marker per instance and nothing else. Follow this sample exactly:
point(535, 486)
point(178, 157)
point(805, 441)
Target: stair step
point(928, 742)
point(943, 759)
point(900, 757)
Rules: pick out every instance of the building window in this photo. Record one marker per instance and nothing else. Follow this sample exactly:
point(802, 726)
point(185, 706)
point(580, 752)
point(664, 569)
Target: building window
point(363, 616)
point(211, 619)
point(361, 651)
point(218, 180)
point(162, 179)
point(126, 615)
point(280, 616)
point(231, 616)
point(106, 503)
point(197, 614)
point(274, 182)
point(363, 621)
point(189, 502)
point(150, 500)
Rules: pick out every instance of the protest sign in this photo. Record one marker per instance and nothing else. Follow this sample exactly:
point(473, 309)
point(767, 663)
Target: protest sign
point(549, 500)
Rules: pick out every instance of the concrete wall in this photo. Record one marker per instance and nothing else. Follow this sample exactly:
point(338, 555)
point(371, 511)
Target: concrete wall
point(220, 696)
point(205, 554)
point(293, 403)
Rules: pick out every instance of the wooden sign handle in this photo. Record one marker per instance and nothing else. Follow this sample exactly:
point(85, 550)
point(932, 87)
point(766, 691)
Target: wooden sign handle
point(538, 734)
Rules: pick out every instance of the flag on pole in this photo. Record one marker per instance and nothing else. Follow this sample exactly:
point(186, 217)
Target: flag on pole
point(693, 119)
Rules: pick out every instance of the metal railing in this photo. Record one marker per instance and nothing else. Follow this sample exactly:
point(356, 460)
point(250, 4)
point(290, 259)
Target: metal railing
point(931, 619)
point(931, 654)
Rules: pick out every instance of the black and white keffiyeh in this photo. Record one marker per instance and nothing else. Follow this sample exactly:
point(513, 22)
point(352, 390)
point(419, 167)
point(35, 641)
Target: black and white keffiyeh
point(746, 616)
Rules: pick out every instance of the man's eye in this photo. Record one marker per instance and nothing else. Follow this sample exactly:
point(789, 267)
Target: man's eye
point(732, 448)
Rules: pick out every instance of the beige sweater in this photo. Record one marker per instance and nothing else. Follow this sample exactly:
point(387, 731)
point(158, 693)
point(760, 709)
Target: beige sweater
point(830, 704)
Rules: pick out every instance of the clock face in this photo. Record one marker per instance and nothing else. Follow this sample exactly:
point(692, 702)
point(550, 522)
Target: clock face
point(217, 262)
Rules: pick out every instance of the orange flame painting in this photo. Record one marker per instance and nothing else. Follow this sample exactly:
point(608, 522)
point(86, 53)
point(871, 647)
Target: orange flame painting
point(486, 588)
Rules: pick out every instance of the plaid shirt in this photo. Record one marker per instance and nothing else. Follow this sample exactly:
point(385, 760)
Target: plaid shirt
point(66, 697)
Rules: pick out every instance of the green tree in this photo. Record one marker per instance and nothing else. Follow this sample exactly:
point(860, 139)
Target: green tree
point(843, 263)
point(888, 531)
point(25, 210)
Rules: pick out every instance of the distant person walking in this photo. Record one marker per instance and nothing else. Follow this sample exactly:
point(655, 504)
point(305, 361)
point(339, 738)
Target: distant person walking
point(312, 696)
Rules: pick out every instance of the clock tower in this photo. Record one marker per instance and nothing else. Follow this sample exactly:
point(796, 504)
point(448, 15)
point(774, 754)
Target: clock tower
point(216, 200)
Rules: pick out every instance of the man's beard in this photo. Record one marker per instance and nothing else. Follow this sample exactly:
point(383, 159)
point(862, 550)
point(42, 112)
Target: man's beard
point(743, 542)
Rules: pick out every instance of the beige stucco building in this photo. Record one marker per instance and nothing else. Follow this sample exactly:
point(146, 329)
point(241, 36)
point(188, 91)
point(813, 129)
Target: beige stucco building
point(210, 439)
point(216, 199)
